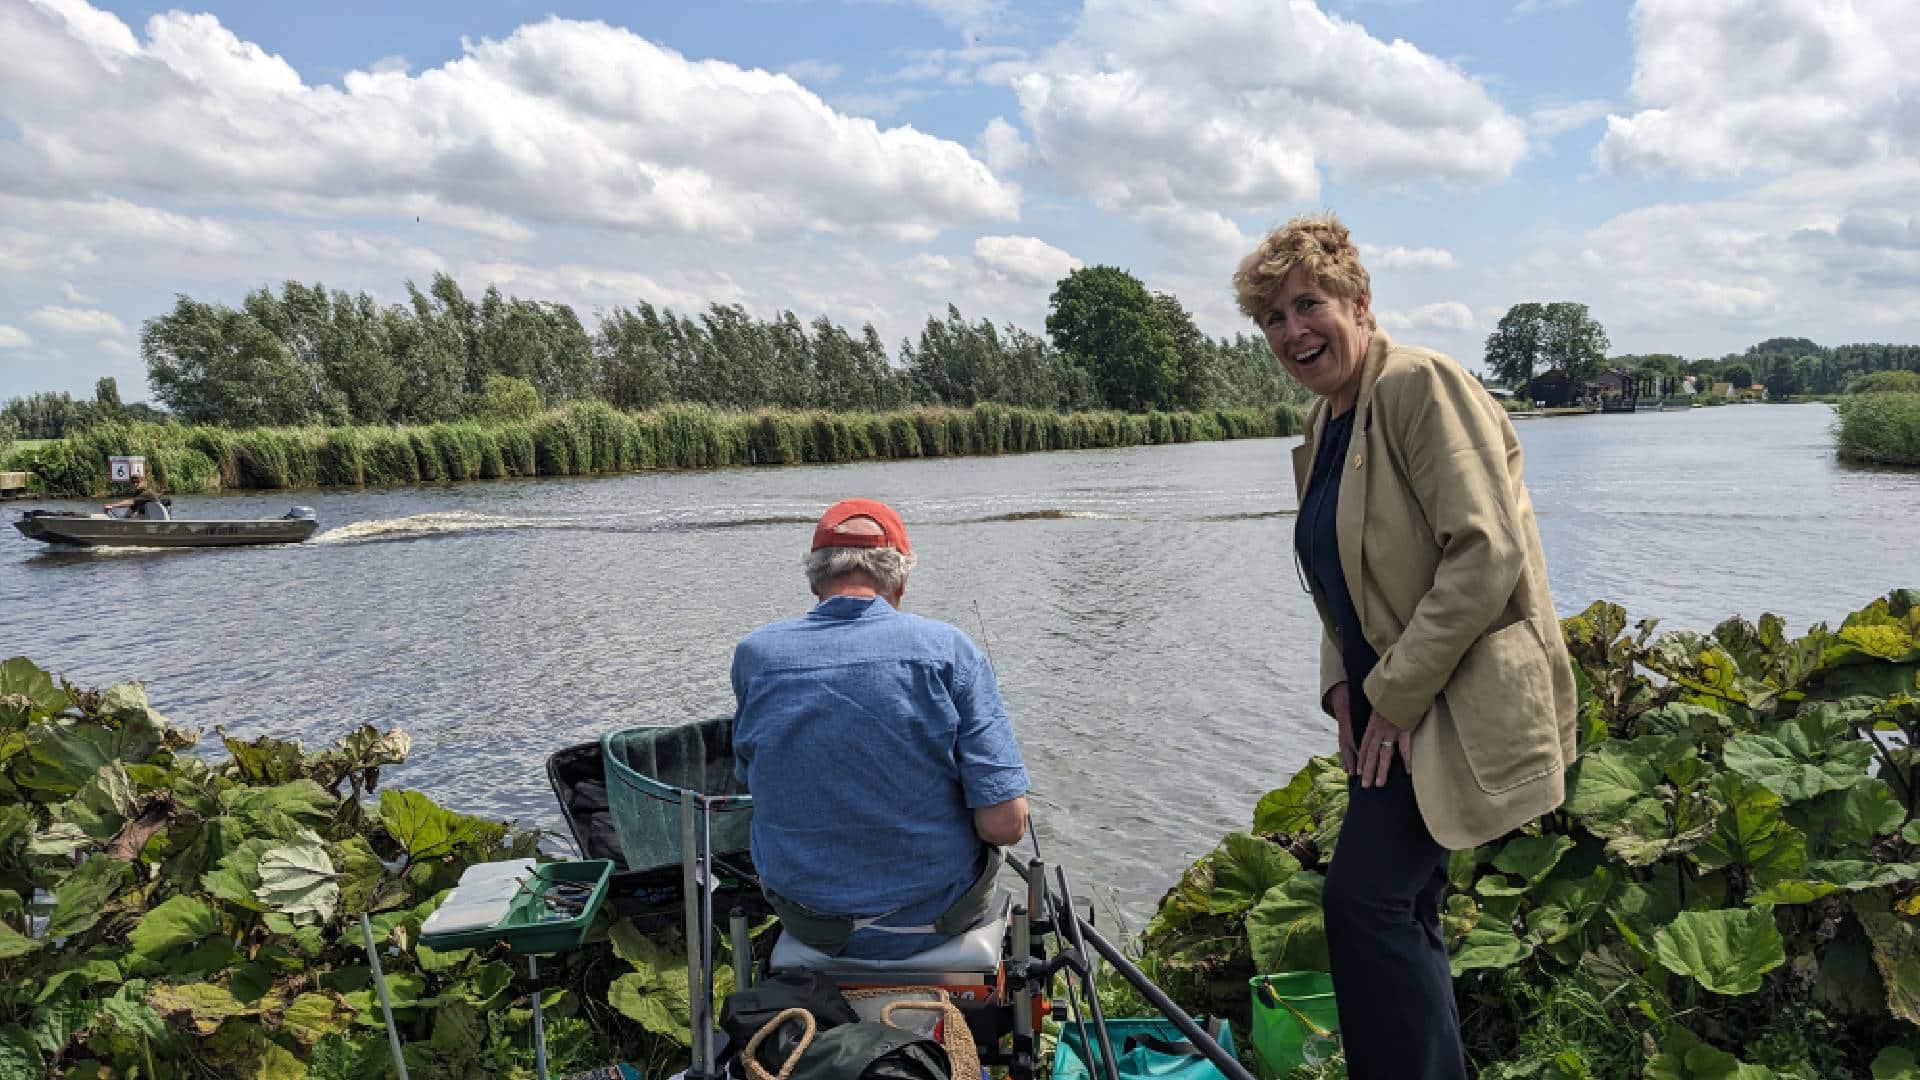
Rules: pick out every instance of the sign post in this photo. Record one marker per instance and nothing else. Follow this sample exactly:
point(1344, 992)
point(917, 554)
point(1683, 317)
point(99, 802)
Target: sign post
point(126, 470)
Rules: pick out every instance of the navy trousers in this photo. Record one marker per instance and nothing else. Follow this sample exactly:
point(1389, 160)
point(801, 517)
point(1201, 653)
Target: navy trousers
point(1398, 1020)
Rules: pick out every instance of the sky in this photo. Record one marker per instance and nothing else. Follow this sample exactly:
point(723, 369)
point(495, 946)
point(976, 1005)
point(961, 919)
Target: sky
point(1704, 174)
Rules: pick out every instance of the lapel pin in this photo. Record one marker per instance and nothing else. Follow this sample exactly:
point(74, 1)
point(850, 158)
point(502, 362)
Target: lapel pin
point(1356, 461)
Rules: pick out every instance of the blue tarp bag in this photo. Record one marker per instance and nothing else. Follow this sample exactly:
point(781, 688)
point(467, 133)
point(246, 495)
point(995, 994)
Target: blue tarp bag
point(1143, 1048)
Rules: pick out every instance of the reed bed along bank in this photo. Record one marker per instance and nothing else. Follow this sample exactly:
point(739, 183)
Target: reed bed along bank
point(595, 438)
point(1880, 428)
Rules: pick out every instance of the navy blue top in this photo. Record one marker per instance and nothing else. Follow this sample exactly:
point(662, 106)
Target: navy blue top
point(866, 736)
point(1316, 538)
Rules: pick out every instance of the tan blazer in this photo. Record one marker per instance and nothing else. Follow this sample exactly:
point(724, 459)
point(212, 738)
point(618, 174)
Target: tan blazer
point(1443, 558)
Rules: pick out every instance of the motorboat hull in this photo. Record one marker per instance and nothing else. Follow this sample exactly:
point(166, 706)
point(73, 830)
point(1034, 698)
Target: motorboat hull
point(99, 530)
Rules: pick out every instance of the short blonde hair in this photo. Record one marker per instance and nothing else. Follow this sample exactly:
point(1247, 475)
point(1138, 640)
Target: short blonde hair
point(1317, 241)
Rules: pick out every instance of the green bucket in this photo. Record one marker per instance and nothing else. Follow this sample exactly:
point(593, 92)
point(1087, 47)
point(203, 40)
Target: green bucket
point(1295, 1021)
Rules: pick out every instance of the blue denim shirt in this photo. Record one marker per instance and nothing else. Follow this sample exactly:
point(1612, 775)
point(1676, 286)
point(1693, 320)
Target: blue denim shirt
point(866, 736)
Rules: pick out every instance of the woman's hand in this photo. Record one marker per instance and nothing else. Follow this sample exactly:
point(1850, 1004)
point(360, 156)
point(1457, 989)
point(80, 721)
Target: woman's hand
point(1342, 707)
point(1377, 748)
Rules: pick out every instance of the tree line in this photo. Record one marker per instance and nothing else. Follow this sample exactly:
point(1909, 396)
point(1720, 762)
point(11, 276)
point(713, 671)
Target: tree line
point(308, 355)
point(1562, 341)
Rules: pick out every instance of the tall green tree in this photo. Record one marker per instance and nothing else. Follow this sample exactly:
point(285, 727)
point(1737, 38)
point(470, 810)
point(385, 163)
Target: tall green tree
point(1573, 342)
point(106, 393)
point(1106, 323)
point(1515, 349)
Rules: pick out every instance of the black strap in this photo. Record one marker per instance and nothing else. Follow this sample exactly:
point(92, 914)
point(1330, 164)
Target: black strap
point(1180, 1048)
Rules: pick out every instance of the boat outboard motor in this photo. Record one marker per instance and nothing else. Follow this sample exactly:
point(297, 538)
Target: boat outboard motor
point(302, 513)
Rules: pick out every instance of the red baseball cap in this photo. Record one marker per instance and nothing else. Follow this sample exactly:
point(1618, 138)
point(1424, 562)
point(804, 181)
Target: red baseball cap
point(893, 533)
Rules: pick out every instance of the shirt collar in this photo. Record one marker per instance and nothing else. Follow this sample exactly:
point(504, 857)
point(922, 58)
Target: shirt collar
point(850, 607)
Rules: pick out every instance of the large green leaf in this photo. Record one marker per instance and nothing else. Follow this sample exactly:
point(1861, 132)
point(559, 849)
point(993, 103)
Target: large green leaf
point(1804, 757)
point(283, 811)
point(1727, 951)
point(238, 875)
point(1660, 826)
point(1532, 857)
point(1245, 867)
point(181, 920)
point(1751, 832)
point(1489, 946)
point(1896, 1063)
point(654, 994)
point(1845, 824)
point(1619, 775)
point(1565, 906)
point(62, 756)
point(82, 899)
point(313, 1016)
point(103, 803)
point(424, 828)
point(32, 692)
point(1685, 1057)
point(297, 880)
point(19, 1058)
point(1287, 930)
point(266, 760)
point(1896, 953)
point(198, 1007)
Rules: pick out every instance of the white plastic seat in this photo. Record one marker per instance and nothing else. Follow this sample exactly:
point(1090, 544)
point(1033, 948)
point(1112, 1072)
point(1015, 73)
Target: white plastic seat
point(973, 953)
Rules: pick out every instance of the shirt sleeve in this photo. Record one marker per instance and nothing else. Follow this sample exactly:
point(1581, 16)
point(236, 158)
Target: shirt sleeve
point(991, 769)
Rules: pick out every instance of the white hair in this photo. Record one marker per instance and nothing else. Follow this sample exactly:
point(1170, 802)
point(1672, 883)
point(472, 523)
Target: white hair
point(886, 567)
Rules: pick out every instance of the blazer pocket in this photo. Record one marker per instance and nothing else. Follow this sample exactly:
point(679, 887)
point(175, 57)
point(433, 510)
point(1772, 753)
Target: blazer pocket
point(1501, 700)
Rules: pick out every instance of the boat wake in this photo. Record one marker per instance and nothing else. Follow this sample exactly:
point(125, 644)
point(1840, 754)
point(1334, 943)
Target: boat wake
point(1047, 515)
point(441, 523)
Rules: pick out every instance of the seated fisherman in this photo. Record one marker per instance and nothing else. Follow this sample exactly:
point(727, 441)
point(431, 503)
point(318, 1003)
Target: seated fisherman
point(882, 765)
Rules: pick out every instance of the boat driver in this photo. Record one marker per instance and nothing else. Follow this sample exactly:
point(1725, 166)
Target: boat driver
point(143, 503)
point(882, 765)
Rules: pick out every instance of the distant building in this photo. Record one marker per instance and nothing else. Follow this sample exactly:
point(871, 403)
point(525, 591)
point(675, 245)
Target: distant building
point(1552, 390)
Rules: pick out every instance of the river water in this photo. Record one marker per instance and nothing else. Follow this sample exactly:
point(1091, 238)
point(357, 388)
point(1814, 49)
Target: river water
point(1153, 643)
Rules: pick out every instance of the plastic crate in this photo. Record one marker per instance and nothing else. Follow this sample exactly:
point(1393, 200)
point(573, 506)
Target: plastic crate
point(523, 928)
point(649, 771)
point(1295, 1021)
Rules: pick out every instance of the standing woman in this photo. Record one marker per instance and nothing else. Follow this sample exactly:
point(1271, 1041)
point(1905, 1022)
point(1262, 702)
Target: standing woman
point(1440, 657)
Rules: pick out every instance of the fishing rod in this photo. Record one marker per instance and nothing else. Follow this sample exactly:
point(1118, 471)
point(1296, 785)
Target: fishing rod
point(1202, 1041)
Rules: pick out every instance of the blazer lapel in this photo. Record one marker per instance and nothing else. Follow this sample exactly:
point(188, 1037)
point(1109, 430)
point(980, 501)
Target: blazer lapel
point(1350, 513)
point(1303, 454)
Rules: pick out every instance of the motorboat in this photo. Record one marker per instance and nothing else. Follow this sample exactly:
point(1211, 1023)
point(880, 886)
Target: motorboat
point(108, 530)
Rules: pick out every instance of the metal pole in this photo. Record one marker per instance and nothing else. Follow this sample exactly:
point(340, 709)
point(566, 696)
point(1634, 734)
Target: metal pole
point(689, 880)
point(1067, 916)
point(386, 1004)
point(1159, 1000)
point(1155, 996)
point(539, 1022)
point(703, 1008)
point(742, 948)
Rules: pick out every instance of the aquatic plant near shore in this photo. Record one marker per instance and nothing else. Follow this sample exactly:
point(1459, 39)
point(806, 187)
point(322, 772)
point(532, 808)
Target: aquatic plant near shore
point(167, 914)
point(595, 438)
point(1732, 888)
point(1879, 428)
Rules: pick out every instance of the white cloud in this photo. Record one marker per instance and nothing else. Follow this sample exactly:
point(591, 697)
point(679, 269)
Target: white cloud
point(560, 122)
point(880, 106)
point(1830, 254)
point(1551, 120)
point(1003, 147)
point(117, 348)
point(75, 296)
point(930, 272)
point(1768, 84)
point(1406, 258)
point(1447, 315)
point(67, 320)
point(1026, 259)
point(1242, 105)
point(12, 337)
point(812, 71)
